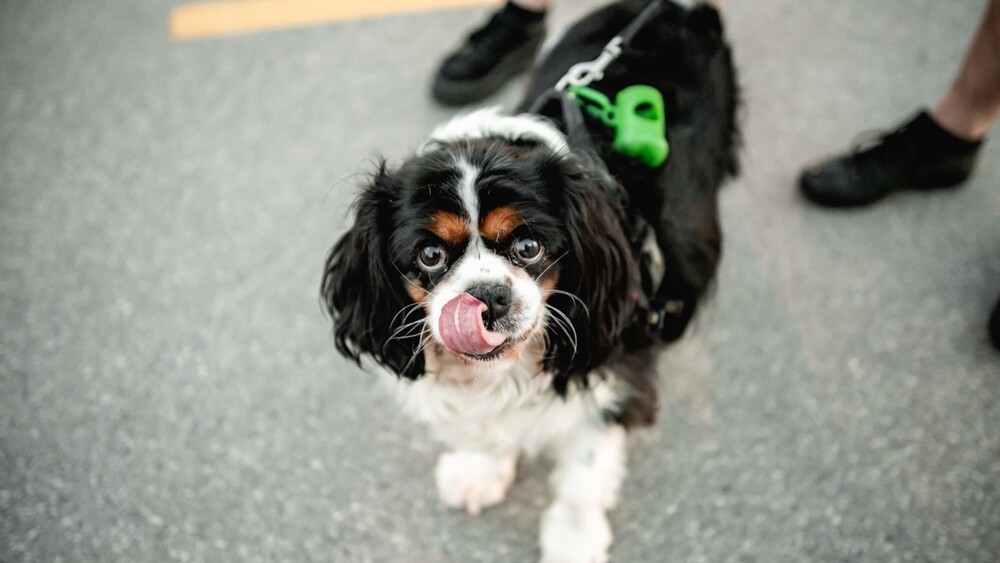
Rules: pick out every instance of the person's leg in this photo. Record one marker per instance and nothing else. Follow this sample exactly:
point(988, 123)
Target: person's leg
point(971, 105)
point(936, 149)
point(493, 54)
point(933, 150)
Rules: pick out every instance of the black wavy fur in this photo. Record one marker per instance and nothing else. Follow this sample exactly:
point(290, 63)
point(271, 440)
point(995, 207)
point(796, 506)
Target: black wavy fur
point(578, 218)
point(682, 53)
point(362, 289)
point(583, 215)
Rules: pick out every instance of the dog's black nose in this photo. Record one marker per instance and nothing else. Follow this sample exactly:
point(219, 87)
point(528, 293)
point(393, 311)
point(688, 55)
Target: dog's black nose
point(497, 299)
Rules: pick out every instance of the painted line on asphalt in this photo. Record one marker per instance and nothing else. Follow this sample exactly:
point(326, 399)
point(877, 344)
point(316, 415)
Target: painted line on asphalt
point(214, 19)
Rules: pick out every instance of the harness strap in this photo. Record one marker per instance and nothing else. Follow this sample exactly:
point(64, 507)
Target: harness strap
point(571, 114)
point(658, 315)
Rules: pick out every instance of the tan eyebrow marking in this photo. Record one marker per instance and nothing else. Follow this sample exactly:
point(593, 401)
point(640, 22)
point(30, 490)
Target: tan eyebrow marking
point(499, 223)
point(449, 227)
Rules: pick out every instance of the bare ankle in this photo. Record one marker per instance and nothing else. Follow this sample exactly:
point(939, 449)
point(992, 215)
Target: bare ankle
point(956, 118)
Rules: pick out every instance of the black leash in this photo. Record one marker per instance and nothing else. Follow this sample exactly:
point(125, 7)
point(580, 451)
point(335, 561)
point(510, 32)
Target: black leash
point(583, 74)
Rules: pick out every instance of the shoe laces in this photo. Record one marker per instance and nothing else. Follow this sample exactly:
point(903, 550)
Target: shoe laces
point(881, 146)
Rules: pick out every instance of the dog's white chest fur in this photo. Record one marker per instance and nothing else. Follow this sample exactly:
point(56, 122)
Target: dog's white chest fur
point(488, 417)
point(503, 410)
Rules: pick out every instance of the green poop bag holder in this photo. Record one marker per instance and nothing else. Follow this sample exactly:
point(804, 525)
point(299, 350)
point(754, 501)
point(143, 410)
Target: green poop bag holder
point(636, 115)
point(637, 118)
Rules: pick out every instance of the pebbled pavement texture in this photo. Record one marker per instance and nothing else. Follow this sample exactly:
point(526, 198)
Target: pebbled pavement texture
point(168, 386)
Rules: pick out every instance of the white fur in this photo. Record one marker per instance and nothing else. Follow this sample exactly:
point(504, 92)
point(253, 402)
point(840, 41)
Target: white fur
point(572, 534)
point(488, 412)
point(501, 410)
point(467, 191)
point(487, 416)
point(586, 482)
point(489, 122)
point(472, 480)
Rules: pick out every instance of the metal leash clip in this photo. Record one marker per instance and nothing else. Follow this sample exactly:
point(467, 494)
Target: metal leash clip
point(582, 74)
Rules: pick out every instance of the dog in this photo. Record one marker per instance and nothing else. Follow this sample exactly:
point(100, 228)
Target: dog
point(520, 286)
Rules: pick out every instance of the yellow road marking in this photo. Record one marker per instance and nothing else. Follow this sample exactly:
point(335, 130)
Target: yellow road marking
point(208, 19)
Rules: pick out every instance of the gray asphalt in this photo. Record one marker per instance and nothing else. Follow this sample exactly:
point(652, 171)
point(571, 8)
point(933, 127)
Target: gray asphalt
point(168, 387)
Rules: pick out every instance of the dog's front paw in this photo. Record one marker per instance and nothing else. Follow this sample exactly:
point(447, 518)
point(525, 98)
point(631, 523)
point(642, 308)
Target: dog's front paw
point(575, 534)
point(473, 480)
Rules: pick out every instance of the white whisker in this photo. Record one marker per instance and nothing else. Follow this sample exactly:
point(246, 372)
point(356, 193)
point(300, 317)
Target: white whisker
point(397, 335)
point(420, 348)
point(571, 296)
point(561, 321)
point(554, 262)
point(410, 309)
point(408, 280)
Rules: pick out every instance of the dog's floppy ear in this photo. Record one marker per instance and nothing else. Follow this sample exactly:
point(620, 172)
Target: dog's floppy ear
point(362, 289)
point(597, 270)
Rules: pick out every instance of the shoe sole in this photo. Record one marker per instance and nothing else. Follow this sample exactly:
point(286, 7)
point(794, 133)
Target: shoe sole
point(943, 180)
point(947, 180)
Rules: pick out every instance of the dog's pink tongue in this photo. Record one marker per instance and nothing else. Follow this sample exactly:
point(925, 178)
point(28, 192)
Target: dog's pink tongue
point(462, 329)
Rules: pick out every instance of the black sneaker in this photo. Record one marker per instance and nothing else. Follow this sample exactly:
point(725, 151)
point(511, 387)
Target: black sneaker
point(994, 327)
point(918, 155)
point(492, 55)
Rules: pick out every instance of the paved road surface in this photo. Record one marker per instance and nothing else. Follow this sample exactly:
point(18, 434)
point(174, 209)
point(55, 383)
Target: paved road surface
point(169, 392)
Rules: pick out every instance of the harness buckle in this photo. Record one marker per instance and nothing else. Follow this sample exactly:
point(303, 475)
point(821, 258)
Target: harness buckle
point(660, 311)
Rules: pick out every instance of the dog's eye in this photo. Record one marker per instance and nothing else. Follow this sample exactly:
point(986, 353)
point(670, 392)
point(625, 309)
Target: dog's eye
point(527, 251)
point(432, 258)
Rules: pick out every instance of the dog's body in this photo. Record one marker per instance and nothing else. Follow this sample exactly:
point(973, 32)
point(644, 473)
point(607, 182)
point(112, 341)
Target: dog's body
point(510, 278)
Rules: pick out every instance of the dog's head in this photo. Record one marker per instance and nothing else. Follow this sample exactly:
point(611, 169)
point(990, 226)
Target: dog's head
point(494, 237)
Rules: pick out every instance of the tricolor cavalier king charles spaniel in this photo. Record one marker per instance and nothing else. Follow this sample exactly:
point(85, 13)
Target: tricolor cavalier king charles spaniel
point(520, 286)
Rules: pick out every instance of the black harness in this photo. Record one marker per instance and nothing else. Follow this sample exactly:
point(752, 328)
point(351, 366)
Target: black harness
point(659, 314)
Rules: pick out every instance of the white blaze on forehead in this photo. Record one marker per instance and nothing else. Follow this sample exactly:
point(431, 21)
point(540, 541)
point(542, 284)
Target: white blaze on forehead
point(481, 264)
point(468, 194)
point(489, 123)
